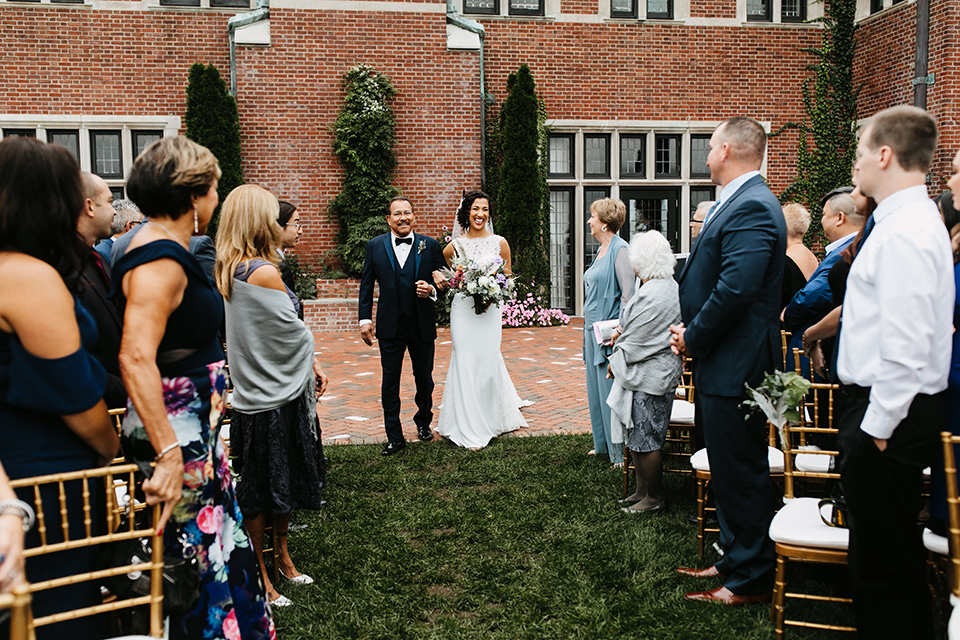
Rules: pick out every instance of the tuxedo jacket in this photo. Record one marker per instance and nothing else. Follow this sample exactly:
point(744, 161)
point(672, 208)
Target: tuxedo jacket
point(730, 291)
point(380, 265)
point(94, 294)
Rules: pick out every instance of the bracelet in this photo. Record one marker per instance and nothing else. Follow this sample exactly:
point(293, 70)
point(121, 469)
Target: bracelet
point(166, 450)
point(20, 508)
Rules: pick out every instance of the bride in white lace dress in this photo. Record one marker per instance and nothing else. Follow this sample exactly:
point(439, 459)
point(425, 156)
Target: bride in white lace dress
point(479, 399)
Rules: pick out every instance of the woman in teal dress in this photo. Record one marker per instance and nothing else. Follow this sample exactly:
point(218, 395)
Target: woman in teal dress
point(173, 368)
point(608, 285)
point(52, 418)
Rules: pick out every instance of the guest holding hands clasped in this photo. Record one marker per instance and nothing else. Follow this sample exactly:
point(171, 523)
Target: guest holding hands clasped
point(173, 369)
point(608, 285)
point(52, 418)
point(645, 371)
point(275, 433)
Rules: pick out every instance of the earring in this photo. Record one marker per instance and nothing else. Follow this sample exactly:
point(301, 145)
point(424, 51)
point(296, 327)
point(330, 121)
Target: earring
point(196, 223)
point(603, 228)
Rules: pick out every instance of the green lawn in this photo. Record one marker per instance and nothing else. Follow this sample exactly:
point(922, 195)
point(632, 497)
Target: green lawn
point(520, 540)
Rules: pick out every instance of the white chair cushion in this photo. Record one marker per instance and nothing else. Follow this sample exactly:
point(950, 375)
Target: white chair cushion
point(799, 523)
point(926, 473)
point(812, 462)
point(953, 627)
point(700, 462)
point(682, 413)
point(935, 543)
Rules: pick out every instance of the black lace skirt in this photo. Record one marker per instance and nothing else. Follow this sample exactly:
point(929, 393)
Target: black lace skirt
point(279, 458)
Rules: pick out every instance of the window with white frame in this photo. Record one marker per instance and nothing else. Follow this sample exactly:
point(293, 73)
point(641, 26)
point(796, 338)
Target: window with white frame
point(779, 11)
point(653, 9)
point(103, 145)
point(658, 170)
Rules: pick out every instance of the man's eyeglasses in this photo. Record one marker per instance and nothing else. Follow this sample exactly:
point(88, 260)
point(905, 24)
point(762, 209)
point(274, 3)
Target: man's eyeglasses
point(693, 222)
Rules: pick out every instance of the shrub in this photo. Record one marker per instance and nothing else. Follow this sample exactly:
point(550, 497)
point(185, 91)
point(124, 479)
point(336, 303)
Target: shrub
point(364, 143)
point(212, 120)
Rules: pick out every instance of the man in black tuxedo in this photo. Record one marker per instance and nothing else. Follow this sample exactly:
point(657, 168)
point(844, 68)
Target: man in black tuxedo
point(729, 299)
point(402, 263)
point(95, 224)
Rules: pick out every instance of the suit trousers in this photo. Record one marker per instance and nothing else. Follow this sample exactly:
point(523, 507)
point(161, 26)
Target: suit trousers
point(407, 338)
point(740, 475)
point(882, 488)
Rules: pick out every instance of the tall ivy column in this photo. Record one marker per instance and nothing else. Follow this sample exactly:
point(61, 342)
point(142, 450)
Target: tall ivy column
point(365, 136)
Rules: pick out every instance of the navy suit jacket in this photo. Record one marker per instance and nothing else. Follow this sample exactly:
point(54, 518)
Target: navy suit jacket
point(379, 265)
point(730, 292)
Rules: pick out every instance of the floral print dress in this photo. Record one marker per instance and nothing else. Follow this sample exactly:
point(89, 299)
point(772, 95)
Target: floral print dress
point(206, 523)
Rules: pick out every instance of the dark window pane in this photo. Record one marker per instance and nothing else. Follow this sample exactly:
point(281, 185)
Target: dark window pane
point(117, 193)
point(561, 248)
point(793, 10)
point(67, 1)
point(105, 157)
point(66, 138)
point(26, 133)
point(633, 154)
point(660, 9)
point(699, 149)
point(591, 244)
point(143, 139)
point(481, 6)
point(245, 4)
point(758, 10)
point(561, 156)
point(876, 5)
point(623, 9)
point(667, 156)
point(180, 3)
point(596, 156)
point(526, 7)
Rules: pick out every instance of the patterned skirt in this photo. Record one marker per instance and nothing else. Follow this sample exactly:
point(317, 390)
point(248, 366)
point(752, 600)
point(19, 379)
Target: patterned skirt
point(651, 416)
point(207, 523)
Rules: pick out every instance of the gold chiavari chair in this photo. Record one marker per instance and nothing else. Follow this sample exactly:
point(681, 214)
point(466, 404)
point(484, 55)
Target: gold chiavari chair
point(116, 416)
point(953, 510)
point(58, 527)
point(798, 531)
point(17, 602)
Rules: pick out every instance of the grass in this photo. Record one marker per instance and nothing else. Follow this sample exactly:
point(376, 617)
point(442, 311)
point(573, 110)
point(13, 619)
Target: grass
point(520, 540)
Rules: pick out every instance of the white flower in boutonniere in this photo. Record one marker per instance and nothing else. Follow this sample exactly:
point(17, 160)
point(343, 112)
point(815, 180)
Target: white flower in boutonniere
point(421, 246)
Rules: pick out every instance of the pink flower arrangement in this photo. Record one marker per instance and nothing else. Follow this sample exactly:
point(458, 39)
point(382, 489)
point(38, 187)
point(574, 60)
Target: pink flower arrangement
point(529, 312)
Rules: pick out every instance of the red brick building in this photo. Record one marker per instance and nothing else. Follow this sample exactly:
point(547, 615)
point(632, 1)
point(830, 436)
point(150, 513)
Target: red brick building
point(633, 89)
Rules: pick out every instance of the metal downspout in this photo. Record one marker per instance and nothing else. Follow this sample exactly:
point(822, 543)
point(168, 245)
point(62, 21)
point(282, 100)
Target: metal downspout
point(262, 12)
point(921, 79)
point(475, 27)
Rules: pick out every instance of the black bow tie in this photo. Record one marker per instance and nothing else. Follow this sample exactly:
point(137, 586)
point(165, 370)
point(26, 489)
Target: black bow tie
point(400, 241)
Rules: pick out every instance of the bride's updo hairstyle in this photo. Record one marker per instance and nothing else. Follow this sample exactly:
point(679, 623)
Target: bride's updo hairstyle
point(463, 213)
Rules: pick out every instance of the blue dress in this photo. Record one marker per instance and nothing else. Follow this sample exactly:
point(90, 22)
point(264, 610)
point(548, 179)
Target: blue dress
point(602, 295)
point(34, 393)
point(207, 520)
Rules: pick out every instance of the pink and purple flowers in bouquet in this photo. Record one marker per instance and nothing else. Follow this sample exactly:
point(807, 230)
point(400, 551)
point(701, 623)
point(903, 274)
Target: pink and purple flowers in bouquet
point(484, 280)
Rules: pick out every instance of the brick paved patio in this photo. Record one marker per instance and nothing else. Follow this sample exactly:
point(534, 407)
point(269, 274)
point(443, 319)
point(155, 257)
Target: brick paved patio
point(545, 363)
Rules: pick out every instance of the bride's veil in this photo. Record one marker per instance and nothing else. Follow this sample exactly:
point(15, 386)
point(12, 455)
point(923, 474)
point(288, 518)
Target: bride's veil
point(457, 229)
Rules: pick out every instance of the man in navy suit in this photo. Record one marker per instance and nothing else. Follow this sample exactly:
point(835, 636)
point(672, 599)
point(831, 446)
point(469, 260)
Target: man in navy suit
point(402, 263)
point(729, 298)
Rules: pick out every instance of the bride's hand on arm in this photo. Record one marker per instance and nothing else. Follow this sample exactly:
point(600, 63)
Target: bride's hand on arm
point(439, 281)
point(505, 255)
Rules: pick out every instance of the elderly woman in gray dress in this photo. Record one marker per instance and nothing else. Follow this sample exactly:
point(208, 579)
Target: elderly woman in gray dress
point(645, 372)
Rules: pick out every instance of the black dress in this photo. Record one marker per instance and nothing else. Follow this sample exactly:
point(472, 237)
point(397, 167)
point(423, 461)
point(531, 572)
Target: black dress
point(278, 452)
point(793, 281)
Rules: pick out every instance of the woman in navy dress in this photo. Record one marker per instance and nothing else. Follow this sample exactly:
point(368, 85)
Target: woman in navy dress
point(52, 417)
point(172, 366)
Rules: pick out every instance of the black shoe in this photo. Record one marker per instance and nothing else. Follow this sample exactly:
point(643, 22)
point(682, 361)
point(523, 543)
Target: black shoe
point(393, 447)
point(425, 434)
point(708, 522)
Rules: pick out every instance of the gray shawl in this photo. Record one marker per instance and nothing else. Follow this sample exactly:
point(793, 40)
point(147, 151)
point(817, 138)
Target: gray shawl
point(641, 359)
point(269, 349)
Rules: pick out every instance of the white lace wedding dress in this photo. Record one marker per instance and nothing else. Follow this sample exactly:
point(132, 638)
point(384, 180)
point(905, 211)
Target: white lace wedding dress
point(479, 399)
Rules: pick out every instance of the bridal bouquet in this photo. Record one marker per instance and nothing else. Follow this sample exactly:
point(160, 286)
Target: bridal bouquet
point(484, 280)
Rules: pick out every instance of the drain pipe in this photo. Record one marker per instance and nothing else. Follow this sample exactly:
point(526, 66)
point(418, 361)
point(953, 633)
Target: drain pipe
point(262, 12)
point(921, 79)
point(475, 27)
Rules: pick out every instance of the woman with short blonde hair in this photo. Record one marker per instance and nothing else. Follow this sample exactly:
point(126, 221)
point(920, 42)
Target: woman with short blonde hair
point(275, 434)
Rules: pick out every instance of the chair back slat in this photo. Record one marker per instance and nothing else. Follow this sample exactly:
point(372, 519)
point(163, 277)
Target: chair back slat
point(17, 602)
point(953, 507)
point(55, 488)
point(798, 436)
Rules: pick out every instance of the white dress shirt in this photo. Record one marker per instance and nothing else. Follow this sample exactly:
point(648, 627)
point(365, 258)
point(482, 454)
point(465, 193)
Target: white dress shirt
point(898, 310)
point(833, 246)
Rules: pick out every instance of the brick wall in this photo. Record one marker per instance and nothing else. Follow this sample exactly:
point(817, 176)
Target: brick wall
point(335, 308)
